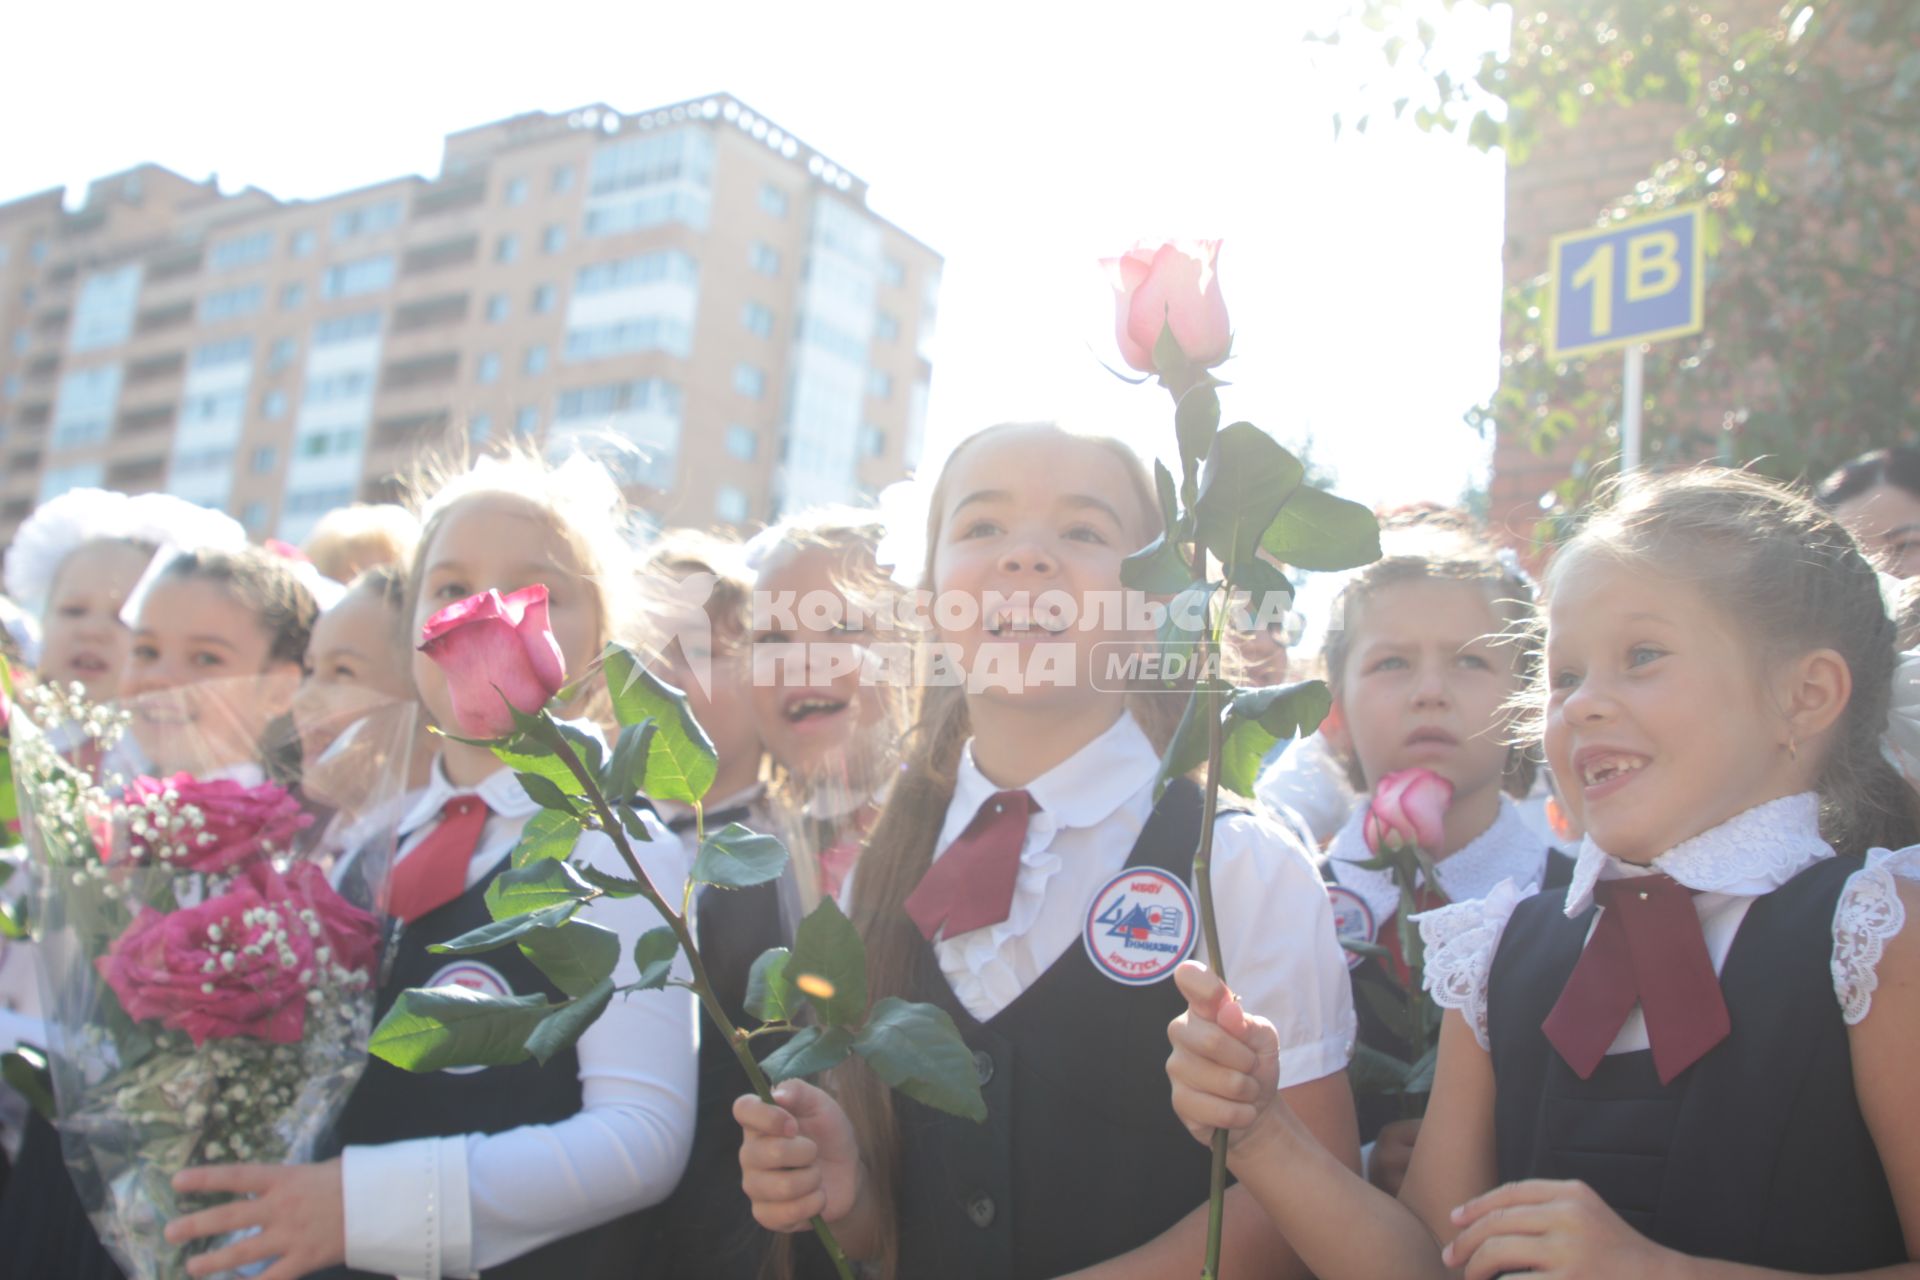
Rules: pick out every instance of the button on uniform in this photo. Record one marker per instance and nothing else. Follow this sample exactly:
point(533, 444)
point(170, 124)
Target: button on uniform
point(983, 1066)
point(980, 1209)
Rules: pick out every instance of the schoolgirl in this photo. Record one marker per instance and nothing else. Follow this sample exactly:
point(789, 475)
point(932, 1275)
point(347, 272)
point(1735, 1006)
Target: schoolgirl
point(1023, 828)
point(1695, 1060)
point(525, 1170)
point(1425, 657)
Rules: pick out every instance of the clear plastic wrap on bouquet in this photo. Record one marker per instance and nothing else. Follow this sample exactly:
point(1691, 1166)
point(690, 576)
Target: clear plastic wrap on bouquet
point(208, 919)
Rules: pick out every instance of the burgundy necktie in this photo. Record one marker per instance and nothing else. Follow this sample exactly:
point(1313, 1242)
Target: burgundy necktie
point(434, 872)
point(970, 886)
point(1647, 950)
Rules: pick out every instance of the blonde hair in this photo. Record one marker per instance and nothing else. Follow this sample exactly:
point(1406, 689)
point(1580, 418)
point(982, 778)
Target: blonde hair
point(361, 536)
point(1430, 543)
point(900, 847)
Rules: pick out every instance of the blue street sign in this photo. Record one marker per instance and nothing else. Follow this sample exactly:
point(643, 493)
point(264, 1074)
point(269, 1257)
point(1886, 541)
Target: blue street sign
point(1622, 285)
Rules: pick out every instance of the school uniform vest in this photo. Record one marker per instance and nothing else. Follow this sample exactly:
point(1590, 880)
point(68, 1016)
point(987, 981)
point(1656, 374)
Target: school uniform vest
point(1758, 1152)
point(1379, 1005)
point(1080, 1158)
point(392, 1105)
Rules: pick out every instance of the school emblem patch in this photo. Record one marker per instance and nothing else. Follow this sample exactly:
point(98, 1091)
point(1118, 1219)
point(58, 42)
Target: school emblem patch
point(1140, 926)
point(1352, 920)
point(474, 976)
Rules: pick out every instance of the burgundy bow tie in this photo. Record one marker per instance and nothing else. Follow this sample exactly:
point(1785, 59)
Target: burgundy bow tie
point(970, 886)
point(1647, 950)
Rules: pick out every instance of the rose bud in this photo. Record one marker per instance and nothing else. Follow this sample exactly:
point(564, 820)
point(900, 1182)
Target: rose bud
point(1407, 809)
point(497, 652)
point(1170, 284)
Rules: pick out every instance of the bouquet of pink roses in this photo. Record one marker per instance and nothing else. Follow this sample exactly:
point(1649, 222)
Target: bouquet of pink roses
point(210, 945)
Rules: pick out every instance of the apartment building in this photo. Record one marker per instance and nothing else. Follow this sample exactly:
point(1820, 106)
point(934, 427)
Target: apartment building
point(691, 292)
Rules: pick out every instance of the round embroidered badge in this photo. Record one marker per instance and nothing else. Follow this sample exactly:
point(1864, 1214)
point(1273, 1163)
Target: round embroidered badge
point(474, 976)
point(1352, 920)
point(1140, 926)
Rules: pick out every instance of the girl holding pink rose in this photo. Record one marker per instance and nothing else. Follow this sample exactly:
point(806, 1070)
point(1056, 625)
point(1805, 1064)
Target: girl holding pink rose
point(1696, 1061)
point(1425, 656)
point(524, 1170)
point(1025, 877)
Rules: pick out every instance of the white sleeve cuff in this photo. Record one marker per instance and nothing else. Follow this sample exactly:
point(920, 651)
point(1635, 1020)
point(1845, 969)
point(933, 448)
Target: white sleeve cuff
point(1305, 1063)
point(406, 1210)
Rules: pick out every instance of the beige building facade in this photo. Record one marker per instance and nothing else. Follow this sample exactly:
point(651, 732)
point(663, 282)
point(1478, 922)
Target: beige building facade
point(690, 292)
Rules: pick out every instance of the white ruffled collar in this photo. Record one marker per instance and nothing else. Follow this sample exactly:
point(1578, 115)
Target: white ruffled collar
point(1507, 850)
point(1750, 854)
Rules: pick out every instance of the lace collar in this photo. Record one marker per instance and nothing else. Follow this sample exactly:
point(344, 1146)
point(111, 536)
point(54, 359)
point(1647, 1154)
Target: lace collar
point(1507, 850)
point(1748, 855)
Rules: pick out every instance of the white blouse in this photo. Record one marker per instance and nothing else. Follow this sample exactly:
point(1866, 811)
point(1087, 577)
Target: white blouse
point(1275, 923)
point(456, 1206)
point(1510, 849)
point(1728, 867)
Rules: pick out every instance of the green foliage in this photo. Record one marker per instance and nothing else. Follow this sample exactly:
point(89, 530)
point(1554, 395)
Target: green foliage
point(916, 1049)
point(735, 858)
point(626, 774)
point(769, 994)
point(575, 956)
point(653, 955)
point(1258, 718)
point(829, 965)
point(680, 762)
point(548, 835)
point(518, 891)
point(565, 1023)
point(428, 1029)
point(505, 930)
point(1245, 481)
point(814, 1050)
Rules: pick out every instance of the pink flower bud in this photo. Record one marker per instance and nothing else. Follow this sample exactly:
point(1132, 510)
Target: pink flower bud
point(1408, 808)
point(1174, 283)
point(496, 651)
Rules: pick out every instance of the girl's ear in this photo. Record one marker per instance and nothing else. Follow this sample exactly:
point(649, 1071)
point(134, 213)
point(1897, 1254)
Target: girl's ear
point(1334, 730)
point(1815, 689)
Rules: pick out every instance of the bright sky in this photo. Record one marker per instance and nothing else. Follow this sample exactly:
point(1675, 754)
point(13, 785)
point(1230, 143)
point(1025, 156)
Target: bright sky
point(1021, 140)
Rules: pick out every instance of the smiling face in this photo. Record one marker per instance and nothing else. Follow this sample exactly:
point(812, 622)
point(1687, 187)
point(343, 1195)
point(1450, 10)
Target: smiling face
point(354, 664)
point(1426, 682)
point(807, 697)
point(500, 542)
point(1659, 719)
point(82, 637)
point(1885, 521)
point(1033, 525)
point(200, 680)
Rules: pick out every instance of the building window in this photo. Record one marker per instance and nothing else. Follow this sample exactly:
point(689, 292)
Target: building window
point(553, 239)
point(743, 442)
point(213, 354)
point(273, 405)
point(241, 251)
point(496, 308)
point(292, 296)
point(647, 268)
point(730, 504)
point(479, 427)
point(281, 354)
point(892, 273)
point(758, 319)
point(264, 459)
point(527, 421)
point(506, 248)
point(873, 442)
point(749, 381)
point(885, 327)
point(543, 296)
point(300, 244)
point(488, 369)
point(773, 200)
point(362, 275)
point(764, 258)
point(230, 304)
point(361, 324)
point(366, 220)
point(535, 362)
point(562, 181)
point(880, 384)
point(516, 192)
point(254, 517)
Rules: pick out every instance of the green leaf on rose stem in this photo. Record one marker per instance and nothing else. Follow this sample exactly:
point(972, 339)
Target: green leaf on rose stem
point(501, 932)
point(547, 835)
point(626, 774)
point(1269, 593)
point(1181, 631)
point(769, 994)
point(1196, 420)
point(574, 956)
point(1373, 950)
point(632, 823)
point(545, 792)
point(435, 1027)
point(1157, 569)
point(587, 746)
point(1284, 710)
point(1244, 483)
point(1242, 753)
point(608, 883)
point(25, 1068)
point(1320, 532)
point(1420, 1074)
point(1373, 1072)
point(681, 761)
point(814, 1050)
point(735, 858)
point(562, 1028)
point(1178, 527)
point(916, 1049)
point(653, 955)
point(829, 965)
point(1389, 1003)
point(1188, 750)
point(520, 890)
point(9, 801)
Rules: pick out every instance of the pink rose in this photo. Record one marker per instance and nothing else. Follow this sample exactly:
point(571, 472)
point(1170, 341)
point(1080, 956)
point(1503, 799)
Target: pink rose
point(495, 647)
point(352, 934)
point(1407, 809)
point(1174, 283)
point(239, 964)
point(235, 822)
